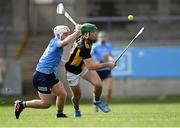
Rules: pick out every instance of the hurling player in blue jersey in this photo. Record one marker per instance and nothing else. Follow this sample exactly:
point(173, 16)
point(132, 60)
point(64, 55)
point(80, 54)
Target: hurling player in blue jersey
point(101, 52)
point(44, 78)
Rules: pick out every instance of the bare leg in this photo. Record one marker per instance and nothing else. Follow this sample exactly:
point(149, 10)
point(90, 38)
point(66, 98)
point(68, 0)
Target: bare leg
point(108, 83)
point(61, 94)
point(76, 95)
point(45, 101)
point(94, 79)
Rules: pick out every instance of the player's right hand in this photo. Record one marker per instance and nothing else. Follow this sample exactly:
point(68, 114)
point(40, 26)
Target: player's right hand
point(111, 64)
point(77, 28)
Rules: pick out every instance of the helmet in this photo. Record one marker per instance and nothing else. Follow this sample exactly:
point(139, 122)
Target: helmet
point(101, 34)
point(60, 29)
point(88, 27)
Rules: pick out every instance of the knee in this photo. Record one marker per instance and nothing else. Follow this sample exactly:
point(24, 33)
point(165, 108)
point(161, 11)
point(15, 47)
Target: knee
point(64, 94)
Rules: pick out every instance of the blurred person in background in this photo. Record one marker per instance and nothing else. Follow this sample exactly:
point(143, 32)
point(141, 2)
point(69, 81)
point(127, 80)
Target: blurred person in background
point(81, 65)
point(44, 78)
point(101, 52)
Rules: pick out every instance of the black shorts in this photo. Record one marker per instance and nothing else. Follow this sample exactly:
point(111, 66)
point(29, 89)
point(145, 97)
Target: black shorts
point(44, 82)
point(103, 74)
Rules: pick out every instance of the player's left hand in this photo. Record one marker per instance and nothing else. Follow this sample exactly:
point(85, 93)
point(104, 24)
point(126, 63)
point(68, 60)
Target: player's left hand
point(111, 64)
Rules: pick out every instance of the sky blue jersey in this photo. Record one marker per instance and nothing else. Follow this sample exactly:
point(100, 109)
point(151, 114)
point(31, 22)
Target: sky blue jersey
point(99, 51)
point(50, 60)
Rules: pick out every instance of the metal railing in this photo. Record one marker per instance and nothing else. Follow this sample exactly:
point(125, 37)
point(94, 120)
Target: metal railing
point(124, 18)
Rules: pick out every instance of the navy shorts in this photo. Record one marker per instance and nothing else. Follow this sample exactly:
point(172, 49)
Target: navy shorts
point(103, 74)
point(44, 82)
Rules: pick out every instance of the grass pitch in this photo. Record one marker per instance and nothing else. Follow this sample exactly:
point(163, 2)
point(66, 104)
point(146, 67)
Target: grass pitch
point(123, 113)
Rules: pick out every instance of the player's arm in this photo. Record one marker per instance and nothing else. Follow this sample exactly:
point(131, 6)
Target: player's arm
point(63, 62)
point(71, 38)
point(92, 65)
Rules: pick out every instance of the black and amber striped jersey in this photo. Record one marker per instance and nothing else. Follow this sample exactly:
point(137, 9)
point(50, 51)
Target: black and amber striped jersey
point(80, 50)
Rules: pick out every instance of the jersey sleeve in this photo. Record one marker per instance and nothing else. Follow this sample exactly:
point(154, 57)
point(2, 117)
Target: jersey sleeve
point(85, 53)
point(58, 43)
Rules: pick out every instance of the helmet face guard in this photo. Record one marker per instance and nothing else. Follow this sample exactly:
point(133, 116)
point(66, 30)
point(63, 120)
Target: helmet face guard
point(87, 28)
point(60, 29)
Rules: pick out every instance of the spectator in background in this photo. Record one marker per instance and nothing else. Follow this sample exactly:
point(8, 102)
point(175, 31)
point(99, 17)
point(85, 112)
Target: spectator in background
point(101, 52)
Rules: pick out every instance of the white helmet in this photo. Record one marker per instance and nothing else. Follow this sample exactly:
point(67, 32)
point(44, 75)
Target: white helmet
point(60, 29)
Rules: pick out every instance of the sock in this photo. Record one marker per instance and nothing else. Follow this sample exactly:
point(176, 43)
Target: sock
point(59, 111)
point(24, 104)
point(96, 98)
point(76, 108)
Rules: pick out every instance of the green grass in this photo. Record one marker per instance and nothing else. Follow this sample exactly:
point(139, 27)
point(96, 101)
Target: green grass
point(134, 112)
